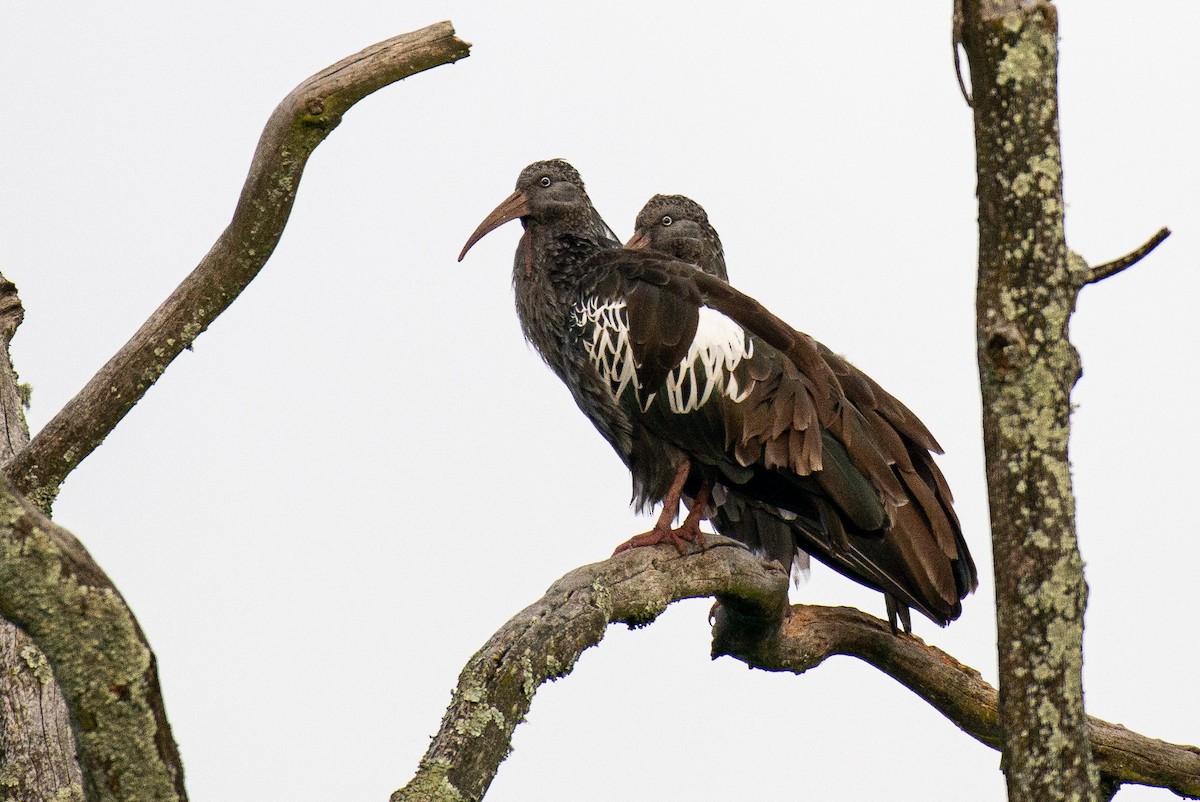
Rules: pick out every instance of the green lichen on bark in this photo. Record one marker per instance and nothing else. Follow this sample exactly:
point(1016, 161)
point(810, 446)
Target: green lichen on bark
point(9, 778)
point(37, 663)
point(602, 598)
point(431, 784)
point(1024, 59)
point(472, 694)
point(72, 793)
point(43, 497)
point(96, 652)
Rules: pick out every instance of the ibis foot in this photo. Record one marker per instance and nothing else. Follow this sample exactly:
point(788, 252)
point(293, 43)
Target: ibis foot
point(680, 538)
point(688, 531)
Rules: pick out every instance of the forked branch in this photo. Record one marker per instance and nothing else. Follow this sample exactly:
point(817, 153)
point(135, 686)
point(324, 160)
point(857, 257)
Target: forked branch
point(301, 122)
point(543, 642)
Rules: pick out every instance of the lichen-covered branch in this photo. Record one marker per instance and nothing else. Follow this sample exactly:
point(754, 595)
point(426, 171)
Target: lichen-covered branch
point(752, 624)
point(124, 742)
point(52, 589)
point(544, 640)
point(813, 634)
point(301, 122)
point(1027, 367)
point(37, 749)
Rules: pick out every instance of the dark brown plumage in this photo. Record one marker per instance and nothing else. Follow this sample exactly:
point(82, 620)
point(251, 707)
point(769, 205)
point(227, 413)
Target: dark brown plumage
point(678, 226)
point(698, 387)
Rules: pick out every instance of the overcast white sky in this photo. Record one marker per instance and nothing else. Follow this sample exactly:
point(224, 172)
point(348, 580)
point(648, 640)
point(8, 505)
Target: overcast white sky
point(361, 471)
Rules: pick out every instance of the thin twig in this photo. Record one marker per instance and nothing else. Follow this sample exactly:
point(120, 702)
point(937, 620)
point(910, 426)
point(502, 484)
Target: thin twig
point(301, 122)
point(956, 41)
point(1130, 259)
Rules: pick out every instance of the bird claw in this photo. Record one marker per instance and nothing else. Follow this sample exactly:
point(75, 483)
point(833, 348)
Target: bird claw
point(680, 538)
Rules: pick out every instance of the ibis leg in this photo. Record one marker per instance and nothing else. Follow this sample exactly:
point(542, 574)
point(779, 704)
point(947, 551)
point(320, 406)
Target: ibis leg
point(688, 531)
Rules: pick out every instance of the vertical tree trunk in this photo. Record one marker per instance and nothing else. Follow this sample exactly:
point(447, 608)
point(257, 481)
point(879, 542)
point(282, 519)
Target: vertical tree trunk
point(1027, 367)
point(37, 748)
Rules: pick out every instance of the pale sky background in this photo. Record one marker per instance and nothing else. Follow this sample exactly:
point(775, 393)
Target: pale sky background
point(361, 471)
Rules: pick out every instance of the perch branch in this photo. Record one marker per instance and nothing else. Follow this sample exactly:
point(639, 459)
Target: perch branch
point(1101, 272)
point(52, 589)
point(301, 122)
point(543, 642)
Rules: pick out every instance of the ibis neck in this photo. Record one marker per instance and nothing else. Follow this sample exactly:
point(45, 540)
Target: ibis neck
point(549, 268)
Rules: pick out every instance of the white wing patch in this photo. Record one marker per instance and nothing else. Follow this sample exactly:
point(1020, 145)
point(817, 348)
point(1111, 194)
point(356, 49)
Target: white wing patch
point(606, 341)
point(717, 349)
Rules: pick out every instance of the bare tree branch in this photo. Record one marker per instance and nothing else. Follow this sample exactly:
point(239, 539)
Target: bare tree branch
point(52, 589)
point(49, 586)
point(301, 122)
point(813, 634)
point(1101, 272)
point(543, 642)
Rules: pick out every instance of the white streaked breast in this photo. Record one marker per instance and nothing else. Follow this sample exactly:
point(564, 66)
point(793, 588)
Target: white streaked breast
point(605, 328)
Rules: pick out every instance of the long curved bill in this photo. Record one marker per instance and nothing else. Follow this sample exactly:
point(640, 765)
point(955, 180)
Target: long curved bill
point(514, 206)
point(638, 242)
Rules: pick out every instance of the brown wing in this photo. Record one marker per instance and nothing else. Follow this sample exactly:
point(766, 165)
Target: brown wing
point(661, 328)
point(910, 443)
point(824, 441)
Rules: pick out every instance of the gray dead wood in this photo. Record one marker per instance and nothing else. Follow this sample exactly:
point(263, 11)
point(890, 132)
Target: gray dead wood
point(813, 634)
point(544, 640)
point(49, 587)
point(752, 624)
point(301, 122)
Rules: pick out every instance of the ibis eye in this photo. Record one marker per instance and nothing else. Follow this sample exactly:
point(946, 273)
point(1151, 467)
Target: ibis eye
point(545, 181)
point(666, 221)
